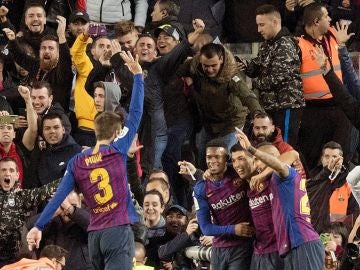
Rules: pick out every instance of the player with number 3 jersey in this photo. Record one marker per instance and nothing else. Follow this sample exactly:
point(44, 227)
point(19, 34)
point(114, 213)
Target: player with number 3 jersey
point(100, 174)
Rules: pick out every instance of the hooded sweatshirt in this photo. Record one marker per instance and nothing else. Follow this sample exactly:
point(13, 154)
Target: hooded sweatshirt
point(112, 96)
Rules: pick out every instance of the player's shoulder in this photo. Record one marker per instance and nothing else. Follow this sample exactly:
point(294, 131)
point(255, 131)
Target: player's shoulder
point(199, 187)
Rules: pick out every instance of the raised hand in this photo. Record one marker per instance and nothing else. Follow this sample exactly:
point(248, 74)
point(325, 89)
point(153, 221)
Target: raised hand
point(3, 12)
point(61, 29)
point(9, 33)
point(115, 46)
point(186, 168)
point(242, 138)
point(33, 238)
point(342, 35)
point(198, 25)
point(132, 64)
point(24, 92)
point(290, 4)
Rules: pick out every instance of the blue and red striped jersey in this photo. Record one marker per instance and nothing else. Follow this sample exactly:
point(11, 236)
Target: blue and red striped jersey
point(220, 205)
point(291, 211)
point(261, 212)
point(101, 175)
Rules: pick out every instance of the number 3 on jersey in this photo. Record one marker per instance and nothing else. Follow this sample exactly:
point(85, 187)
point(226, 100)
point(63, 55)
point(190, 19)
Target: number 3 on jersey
point(101, 176)
point(304, 201)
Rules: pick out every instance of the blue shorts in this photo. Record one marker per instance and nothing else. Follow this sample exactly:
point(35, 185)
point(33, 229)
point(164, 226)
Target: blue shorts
point(308, 256)
point(112, 248)
point(270, 261)
point(232, 258)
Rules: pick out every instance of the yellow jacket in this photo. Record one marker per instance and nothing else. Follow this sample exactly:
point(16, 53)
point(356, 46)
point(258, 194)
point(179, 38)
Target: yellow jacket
point(84, 104)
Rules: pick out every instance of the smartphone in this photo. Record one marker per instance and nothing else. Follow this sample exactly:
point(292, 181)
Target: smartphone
point(8, 119)
point(97, 30)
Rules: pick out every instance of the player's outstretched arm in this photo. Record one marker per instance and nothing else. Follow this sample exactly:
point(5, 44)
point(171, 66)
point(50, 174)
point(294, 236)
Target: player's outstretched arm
point(280, 167)
point(132, 64)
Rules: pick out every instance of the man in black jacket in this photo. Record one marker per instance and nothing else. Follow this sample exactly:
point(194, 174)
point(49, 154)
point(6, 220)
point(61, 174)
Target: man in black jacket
point(330, 196)
point(68, 229)
point(53, 66)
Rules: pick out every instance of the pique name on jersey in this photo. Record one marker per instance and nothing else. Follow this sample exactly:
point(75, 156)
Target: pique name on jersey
point(257, 201)
point(224, 203)
point(93, 159)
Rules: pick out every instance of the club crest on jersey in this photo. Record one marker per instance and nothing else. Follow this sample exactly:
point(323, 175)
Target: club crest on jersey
point(237, 182)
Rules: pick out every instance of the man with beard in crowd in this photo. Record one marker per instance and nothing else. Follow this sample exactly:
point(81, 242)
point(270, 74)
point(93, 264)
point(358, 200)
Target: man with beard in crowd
point(263, 130)
point(53, 66)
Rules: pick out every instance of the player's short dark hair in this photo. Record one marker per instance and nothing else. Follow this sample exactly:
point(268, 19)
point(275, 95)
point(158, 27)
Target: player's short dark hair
point(106, 124)
point(53, 252)
point(237, 148)
point(268, 10)
point(9, 159)
point(155, 192)
point(217, 142)
point(312, 13)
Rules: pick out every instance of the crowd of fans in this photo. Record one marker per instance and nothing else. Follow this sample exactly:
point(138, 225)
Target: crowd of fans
point(222, 176)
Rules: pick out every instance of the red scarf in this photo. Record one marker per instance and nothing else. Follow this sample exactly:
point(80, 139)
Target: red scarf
point(13, 154)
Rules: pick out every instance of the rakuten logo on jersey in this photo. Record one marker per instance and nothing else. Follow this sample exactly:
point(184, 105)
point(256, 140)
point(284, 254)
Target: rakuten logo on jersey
point(224, 203)
point(256, 202)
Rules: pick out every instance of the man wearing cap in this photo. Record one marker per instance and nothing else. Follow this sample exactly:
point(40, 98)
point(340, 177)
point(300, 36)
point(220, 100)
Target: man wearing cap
point(179, 235)
point(78, 24)
point(167, 38)
point(158, 70)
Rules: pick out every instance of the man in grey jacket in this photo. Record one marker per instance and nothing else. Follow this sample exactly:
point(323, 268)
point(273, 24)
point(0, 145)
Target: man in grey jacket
point(114, 11)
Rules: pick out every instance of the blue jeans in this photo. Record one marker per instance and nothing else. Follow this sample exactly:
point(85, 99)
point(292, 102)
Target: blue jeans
point(159, 148)
point(204, 137)
point(112, 248)
point(177, 135)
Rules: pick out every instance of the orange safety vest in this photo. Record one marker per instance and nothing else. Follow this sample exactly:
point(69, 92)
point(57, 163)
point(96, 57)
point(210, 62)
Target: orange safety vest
point(314, 84)
point(339, 201)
